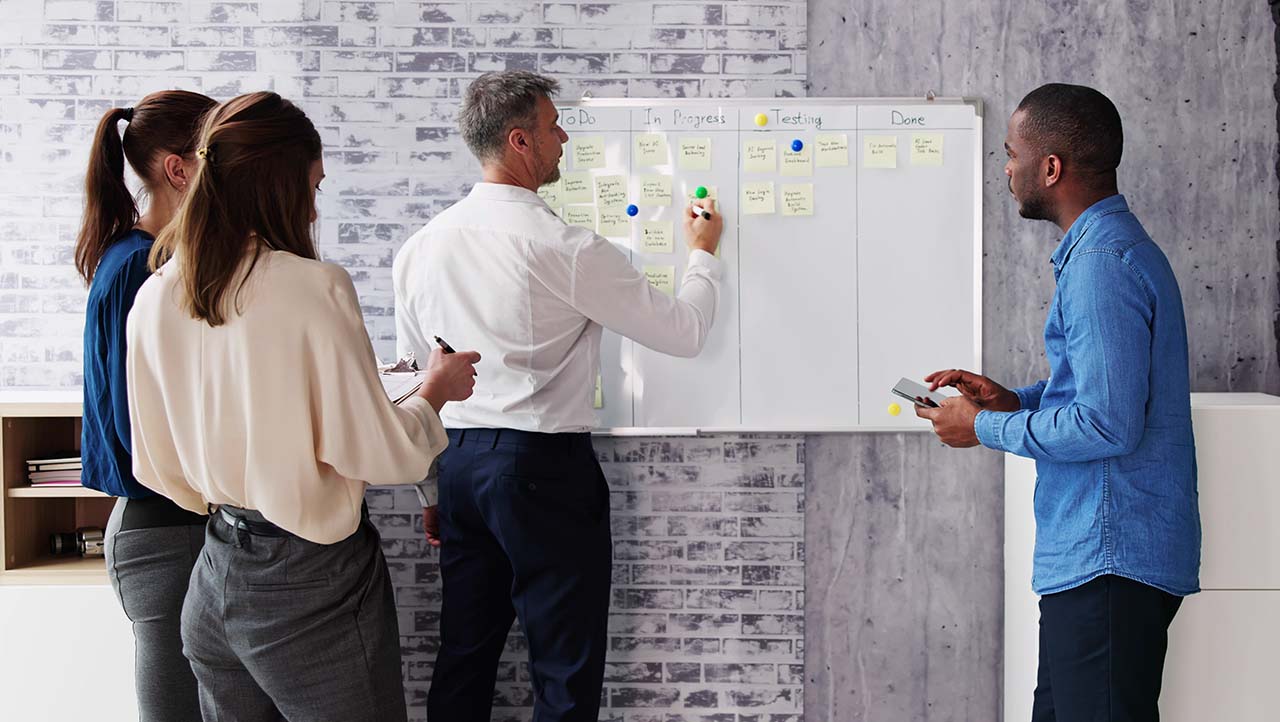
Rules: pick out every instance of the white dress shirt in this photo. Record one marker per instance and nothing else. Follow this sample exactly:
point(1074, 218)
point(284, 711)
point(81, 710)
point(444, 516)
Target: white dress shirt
point(279, 409)
point(500, 273)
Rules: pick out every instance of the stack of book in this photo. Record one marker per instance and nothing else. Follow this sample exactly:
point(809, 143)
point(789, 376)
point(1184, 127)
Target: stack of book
point(59, 471)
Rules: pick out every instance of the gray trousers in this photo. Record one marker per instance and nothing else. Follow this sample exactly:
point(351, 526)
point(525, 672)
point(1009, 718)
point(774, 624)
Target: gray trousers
point(277, 627)
point(149, 570)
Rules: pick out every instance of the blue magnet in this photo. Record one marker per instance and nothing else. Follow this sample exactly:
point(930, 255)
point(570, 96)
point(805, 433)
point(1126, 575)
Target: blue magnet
point(797, 145)
point(632, 210)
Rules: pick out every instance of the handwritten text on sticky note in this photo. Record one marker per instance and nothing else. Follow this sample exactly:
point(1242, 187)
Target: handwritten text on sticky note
point(588, 152)
point(797, 163)
point(760, 156)
point(797, 199)
point(655, 190)
point(575, 188)
point(611, 191)
point(657, 237)
point(695, 154)
point(831, 151)
point(651, 149)
point(879, 151)
point(757, 198)
point(663, 278)
point(926, 149)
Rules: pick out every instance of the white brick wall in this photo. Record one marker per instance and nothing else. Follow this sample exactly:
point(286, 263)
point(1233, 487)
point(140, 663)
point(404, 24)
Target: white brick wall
point(708, 603)
point(708, 608)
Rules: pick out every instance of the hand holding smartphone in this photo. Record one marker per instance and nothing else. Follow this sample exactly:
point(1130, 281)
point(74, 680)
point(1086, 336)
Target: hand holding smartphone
point(918, 394)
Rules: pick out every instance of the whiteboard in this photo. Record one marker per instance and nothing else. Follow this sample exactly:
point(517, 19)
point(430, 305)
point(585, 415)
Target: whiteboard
point(819, 314)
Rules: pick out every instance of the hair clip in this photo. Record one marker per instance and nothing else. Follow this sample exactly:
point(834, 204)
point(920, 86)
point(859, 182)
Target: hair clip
point(205, 154)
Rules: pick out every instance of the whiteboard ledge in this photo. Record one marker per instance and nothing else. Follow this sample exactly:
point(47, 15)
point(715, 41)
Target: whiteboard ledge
point(687, 431)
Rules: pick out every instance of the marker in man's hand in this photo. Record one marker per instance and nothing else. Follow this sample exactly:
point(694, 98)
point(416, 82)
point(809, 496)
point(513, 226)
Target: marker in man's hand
point(701, 211)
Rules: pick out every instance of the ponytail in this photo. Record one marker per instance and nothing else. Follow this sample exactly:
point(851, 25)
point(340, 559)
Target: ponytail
point(109, 208)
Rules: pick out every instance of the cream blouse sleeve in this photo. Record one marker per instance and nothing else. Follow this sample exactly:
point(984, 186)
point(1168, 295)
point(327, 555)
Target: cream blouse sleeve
point(359, 432)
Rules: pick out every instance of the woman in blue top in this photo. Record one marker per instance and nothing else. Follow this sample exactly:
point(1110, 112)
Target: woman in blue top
point(151, 543)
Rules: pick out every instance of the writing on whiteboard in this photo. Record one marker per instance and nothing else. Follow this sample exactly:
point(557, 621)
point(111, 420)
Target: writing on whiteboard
point(900, 118)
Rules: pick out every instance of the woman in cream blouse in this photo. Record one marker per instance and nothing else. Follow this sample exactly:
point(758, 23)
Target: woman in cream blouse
point(252, 387)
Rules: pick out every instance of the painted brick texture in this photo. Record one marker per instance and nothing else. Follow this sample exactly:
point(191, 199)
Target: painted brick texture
point(708, 620)
point(381, 79)
point(707, 623)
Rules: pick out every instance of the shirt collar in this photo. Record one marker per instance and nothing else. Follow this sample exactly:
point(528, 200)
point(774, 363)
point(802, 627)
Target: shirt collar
point(1077, 231)
point(504, 192)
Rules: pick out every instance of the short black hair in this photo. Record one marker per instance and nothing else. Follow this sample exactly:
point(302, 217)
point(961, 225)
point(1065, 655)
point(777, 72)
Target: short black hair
point(1076, 123)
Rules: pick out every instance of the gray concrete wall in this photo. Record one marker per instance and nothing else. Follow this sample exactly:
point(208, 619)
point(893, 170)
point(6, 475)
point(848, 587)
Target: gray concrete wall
point(904, 572)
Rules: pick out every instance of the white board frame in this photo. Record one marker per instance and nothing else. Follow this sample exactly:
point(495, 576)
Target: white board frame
point(779, 104)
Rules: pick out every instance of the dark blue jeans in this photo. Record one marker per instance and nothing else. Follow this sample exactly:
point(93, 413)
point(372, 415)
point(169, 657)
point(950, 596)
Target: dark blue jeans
point(1102, 647)
point(524, 528)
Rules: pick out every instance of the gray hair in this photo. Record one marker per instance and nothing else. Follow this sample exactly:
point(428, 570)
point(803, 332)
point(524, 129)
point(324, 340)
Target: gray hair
point(497, 102)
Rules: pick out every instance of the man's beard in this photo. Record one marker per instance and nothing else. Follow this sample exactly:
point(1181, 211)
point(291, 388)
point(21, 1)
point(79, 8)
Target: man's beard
point(1032, 205)
point(553, 176)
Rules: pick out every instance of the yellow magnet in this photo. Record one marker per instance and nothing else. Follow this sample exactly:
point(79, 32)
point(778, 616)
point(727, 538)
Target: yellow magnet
point(894, 409)
point(762, 120)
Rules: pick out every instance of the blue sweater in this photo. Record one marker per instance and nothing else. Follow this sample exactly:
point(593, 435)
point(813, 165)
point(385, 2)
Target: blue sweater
point(104, 442)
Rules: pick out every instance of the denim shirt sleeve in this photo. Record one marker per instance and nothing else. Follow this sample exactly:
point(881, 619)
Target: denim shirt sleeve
point(124, 289)
point(1029, 396)
point(1106, 317)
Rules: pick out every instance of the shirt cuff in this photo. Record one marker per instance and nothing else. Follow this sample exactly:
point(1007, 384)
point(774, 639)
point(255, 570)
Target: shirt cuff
point(428, 489)
point(1025, 398)
point(699, 258)
point(987, 426)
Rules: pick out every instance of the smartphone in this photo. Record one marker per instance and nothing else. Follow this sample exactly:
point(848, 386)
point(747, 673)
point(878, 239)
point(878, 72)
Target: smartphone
point(918, 394)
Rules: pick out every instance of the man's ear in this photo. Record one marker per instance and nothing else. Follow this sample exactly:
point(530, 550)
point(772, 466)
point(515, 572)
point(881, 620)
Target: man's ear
point(1052, 170)
point(519, 140)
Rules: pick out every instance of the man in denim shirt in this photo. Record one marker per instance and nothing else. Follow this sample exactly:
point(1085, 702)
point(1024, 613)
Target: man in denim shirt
point(1117, 513)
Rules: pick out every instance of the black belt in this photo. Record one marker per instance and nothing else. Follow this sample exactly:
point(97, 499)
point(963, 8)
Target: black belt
point(234, 517)
point(515, 437)
point(238, 519)
point(153, 512)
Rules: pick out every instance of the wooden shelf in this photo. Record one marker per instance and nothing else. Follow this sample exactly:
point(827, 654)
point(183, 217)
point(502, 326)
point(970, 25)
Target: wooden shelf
point(55, 492)
point(58, 570)
point(40, 426)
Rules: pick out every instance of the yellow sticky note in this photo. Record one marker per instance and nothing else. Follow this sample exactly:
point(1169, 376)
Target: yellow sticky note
point(695, 154)
point(611, 191)
point(588, 152)
point(655, 190)
point(757, 198)
point(879, 151)
point(614, 224)
point(832, 151)
point(797, 163)
point(657, 237)
point(551, 193)
point(926, 149)
point(760, 156)
point(575, 188)
point(651, 149)
point(662, 277)
point(797, 199)
point(599, 399)
point(584, 216)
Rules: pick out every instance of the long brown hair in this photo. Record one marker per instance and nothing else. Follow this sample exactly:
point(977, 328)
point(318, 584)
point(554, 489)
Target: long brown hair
point(251, 192)
point(161, 124)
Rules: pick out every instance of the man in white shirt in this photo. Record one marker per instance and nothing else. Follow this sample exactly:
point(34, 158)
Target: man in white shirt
point(523, 515)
